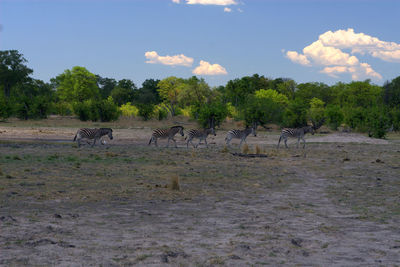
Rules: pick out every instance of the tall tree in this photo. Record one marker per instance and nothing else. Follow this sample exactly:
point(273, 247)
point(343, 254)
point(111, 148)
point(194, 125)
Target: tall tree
point(169, 90)
point(77, 84)
point(106, 85)
point(12, 70)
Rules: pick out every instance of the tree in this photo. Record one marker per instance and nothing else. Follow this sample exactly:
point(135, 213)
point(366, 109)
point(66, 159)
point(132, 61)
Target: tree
point(148, 94)
point(307, 91)
point(76, 85)
point(12, 70)
point(285, 86)
point(212, 114)
point(316, 112)
point(334, 116)
point(296, 114)
point(391, 93)
point(106, 85)
point(169, 90)
point(5, 107)
point(262, 110)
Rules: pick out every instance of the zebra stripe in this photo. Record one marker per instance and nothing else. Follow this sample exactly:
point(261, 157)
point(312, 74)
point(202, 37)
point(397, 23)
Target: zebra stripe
point(240, 134)
point(298, 133)
point(166, 133)
point(95, 134)
point(200, 134)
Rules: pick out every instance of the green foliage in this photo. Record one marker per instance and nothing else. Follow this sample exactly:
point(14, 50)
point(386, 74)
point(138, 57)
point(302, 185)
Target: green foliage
point(160, 112)
point(273, 95)
point(169, 90)
point(129, 110)
point(5, 108)
point(94, 110)
point(212, 114)
point(106, 85)
point(263, 109)
point(355, 117)
point(76, 85)
point(307, 91)
point(316, 111)
point(62, 108)
point(394, 116)
point(377, 122)
point(391, 92)
point(146, 111)
point(296, 114)
point(359, 94)
point(334, 116)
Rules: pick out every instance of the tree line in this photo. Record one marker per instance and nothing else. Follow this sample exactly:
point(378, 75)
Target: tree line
point(359, 105)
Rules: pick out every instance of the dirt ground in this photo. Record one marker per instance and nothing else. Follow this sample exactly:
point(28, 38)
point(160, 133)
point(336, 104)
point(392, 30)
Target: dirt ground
point(335, 203)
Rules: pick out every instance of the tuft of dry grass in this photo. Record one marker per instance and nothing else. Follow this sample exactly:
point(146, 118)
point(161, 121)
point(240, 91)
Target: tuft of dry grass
point(225, 149)
point(245, 149)
point(257, 150)
point(174, 185)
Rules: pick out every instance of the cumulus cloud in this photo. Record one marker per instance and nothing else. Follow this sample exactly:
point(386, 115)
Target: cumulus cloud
point(227, 9)
point(328, 51)
point(177, 60)
point(205, 68)
point(176, 1)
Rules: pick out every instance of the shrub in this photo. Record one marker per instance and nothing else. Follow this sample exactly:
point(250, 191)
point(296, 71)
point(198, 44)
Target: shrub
point(212, 113)
point(62, 108)
point(296, 114)
point(377, 122)
point(5, 107)
point(334, 116)
point(160, 112)
point(82, 110)
point(146, 111)
point(36, 107)
point(107, 110)
point(129, 110)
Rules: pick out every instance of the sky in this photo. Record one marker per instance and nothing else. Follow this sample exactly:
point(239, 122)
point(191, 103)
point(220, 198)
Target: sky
point(219, 40)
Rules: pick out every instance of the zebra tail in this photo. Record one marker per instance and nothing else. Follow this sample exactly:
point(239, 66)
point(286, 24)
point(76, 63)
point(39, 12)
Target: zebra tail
point(150, 141)
point(75, 137)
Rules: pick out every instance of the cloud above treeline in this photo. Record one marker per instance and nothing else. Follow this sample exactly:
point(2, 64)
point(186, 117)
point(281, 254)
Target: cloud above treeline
point(328, 52)
point(205, 68)
point(177, 60)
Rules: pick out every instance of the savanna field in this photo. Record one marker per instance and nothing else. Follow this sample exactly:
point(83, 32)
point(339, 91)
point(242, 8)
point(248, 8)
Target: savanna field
point(336, 202)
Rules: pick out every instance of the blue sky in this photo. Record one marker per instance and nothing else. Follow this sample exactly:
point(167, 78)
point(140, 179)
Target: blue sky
point(307, 40)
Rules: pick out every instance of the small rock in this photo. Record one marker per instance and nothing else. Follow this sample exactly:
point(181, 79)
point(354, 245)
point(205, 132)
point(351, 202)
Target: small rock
point(297, 241)
point(58, 216)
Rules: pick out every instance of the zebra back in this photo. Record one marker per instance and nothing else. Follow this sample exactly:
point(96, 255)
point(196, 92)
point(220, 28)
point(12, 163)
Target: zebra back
point(167, 133)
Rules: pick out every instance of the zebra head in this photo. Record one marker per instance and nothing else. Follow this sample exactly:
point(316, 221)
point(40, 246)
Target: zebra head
point(309, 129)
point(108, 132)
point(181, 130)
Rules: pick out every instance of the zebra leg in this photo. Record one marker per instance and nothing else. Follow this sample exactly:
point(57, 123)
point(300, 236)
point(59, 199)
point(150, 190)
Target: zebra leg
point(280, 138)
point(286, 143)
point(79, 142)
point(168, 142)
point(198, 143)
point(94, 142)
point(241, 143)
point(155, 142)
point(298, 141)
point(205, 141)
point(174, 142)
point(304, 143)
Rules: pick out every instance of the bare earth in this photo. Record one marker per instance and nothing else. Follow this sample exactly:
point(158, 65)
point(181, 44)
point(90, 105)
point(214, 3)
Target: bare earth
point(335, 203)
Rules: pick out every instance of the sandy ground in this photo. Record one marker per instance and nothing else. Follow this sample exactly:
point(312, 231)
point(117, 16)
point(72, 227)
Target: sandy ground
point(228, 221)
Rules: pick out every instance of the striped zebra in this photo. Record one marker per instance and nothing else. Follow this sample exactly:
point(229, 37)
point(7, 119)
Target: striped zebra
point(298, 133)
point(200, 134)
point(166, 133)
point(95, 134)
point(240, 134)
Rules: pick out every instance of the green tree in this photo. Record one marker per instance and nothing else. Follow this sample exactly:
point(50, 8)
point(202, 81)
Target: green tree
point(76, 85)
point(5, 107)
point(316, 112)
point(148, 94)
point(262, 110)
point(307, 91)
point(106, 85)
point(334, 116)
point(212, 114)
point(296, 114)
point(169, 90)
point(12, 70)
point(391, 93)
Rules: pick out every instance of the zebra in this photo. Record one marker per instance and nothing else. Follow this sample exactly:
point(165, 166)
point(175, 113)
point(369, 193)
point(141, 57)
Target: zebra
point(166, 133)
point(200, 134)
point(92, 134)
point(298, 133)
point(240, 134)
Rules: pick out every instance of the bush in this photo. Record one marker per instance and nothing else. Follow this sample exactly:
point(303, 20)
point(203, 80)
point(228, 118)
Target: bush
point(160, 113)
point(103, 110)
point(146, 111)
point(212, 113)
point(296, 114)
point(334, 116)
point(107, 110)
point(356, 117)
point(62, 108)
point(129, 110)
point(377, 122)
point(37, 107)
point(5, 107)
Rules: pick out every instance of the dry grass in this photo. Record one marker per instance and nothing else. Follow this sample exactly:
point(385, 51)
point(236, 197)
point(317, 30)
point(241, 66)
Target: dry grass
point(245, 149)
point(174, 184)
point(257, 150)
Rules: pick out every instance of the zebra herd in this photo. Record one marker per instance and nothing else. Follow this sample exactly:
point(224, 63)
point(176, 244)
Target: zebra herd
point(96, 134)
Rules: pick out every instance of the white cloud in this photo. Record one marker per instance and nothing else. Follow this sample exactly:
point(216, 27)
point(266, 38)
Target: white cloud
point(211, 2)
point(298, 58)
point(181, 60)
point(328, 51)
point(227, 9)
point(206, 68)
point(176, 1)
